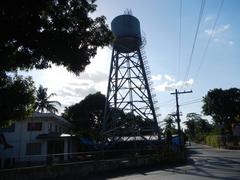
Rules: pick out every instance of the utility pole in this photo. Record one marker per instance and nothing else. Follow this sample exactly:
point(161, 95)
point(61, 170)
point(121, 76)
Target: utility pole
point(178, 114)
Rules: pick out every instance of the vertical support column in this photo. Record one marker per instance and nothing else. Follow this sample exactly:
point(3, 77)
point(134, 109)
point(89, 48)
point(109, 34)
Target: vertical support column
point(149, 96)
point(178, 116)
point(44, 151)
point(116, 81)
point(108, 92)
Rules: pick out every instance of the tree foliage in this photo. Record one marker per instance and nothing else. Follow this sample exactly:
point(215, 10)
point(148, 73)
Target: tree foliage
point(87, 118)
point(37, 33)
point(16, 98)
point(169, 129)
point(131, 124)
point(197, 127)
point(43, 103)
point(223, 106)
point(87, 115)
point(169, 124)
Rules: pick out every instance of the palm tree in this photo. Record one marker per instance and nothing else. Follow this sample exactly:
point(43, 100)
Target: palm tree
point(169, 123)
point(42, 101)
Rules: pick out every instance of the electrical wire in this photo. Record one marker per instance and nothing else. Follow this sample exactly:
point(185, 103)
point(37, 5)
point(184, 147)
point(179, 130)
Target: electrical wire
point(195, 39)
point(180, 39)
point(209, 39)
point(191, 102)
point(169, 102)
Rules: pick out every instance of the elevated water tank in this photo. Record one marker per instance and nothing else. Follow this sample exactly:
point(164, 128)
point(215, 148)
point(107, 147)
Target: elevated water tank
point(126, 29)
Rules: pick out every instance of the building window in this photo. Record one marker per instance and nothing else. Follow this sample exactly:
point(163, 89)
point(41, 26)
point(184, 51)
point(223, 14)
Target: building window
point(34, 126)
point(9, 128)
point(33, 149)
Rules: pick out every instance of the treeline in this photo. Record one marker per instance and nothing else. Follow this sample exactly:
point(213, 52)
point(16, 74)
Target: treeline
point(224, 108)
point(87, 118)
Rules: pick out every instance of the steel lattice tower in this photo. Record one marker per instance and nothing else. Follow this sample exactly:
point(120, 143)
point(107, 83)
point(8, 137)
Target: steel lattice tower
point(129, 110)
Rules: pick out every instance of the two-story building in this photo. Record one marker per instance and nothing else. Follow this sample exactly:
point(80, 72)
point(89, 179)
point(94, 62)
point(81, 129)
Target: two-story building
point(35, 138)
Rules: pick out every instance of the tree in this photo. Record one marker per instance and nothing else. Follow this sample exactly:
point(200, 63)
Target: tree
point(170, 129)
point(38, 33)
point(197, 127)
point(169, 124)
point(16, 98)
point(132, 124)
point(42, 103)
point(223, 106)
point(87, 115)
point(191, 126)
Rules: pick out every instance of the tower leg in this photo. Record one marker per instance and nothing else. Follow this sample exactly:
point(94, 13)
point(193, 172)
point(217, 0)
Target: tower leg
point(129, 110)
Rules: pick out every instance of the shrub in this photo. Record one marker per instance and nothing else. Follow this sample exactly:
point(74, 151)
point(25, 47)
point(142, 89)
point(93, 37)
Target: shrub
point(212, 140)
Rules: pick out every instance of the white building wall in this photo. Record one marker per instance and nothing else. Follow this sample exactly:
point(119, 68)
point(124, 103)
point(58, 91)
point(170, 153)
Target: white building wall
point(21, 136)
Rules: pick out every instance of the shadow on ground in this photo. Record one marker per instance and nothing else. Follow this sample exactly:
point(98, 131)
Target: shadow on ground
point(197, 164)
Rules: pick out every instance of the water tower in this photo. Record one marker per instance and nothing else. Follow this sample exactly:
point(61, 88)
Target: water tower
point(129, 114)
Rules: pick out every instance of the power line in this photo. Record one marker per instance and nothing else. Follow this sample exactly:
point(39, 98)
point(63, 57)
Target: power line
point(169, 102)
point(180, 39)
point(210, 38)
point(195, 39)
point(191, 103)
point(194, 102)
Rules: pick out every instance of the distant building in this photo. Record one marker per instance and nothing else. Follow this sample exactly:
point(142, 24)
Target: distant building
point(35, 138)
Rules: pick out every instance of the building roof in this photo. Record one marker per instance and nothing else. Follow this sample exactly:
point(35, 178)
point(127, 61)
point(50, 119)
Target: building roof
point(50, 115)
point(54, 135)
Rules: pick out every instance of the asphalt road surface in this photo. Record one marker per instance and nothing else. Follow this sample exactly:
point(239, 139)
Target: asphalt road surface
point(203, 163)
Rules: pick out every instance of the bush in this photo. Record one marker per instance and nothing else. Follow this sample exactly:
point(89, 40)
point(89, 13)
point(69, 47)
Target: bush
point(199, 138)
point(212, 140)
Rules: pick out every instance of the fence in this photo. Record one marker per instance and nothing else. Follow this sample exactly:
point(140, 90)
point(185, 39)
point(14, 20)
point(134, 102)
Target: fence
point(86, 163)
point(38, 160)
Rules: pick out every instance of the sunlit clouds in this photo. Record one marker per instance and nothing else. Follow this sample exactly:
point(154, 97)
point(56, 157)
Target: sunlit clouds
point(219, 30)
point(70, 88)
point(168, 83)
point(208, 18)
point(75, 90)
point(168, 78)
point(218, 34)
point(158, 77)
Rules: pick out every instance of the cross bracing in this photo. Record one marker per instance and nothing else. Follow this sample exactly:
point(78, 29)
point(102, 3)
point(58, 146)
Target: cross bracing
point(129, 111)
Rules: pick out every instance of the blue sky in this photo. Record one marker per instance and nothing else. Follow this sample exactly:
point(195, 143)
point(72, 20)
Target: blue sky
point(160, 23)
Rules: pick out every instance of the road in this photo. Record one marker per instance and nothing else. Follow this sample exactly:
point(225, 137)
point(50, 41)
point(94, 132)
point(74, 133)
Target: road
point(203, 163)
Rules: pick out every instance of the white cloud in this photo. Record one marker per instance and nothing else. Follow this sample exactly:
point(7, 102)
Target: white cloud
point(170, 86)
point(79, 87)
point(217, 40)
point(160, 77)
point(70, 88)
point(219, 30)
point(223, 41)
point(168, 78)
point(208, 18)
point(95, 76)
point(231, 43)
point(157, 77)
